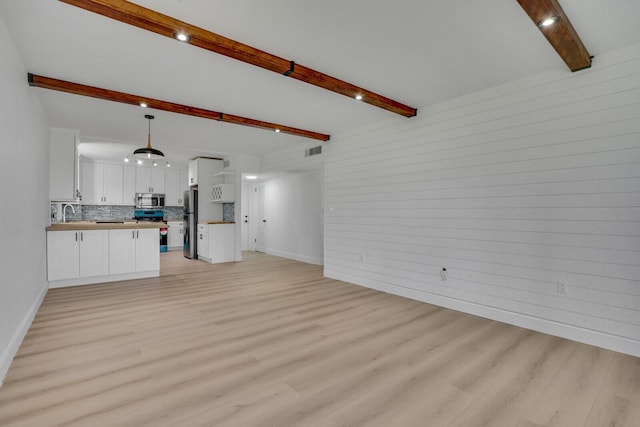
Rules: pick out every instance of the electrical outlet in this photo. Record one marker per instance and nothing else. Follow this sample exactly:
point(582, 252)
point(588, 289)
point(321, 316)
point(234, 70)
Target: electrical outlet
point(562, 287)
point(443, 274)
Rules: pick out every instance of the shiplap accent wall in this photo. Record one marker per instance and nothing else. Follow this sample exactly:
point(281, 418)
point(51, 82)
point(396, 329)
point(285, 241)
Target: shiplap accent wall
point(511, 189)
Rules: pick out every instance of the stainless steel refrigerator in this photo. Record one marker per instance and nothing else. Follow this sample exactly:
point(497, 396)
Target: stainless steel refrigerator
point(190, 219)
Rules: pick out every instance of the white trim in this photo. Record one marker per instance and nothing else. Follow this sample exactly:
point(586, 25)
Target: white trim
point(563, 330)
point(103, 279)
point(14, 344)
point(297, 257)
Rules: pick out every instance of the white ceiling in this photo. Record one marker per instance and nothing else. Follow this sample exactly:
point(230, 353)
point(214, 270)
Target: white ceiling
point(417, 52)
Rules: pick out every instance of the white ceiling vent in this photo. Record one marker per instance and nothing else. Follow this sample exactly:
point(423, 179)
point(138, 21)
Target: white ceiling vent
point(313, 151)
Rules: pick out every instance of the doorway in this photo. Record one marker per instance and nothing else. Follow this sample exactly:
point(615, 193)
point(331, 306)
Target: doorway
point(253, 227)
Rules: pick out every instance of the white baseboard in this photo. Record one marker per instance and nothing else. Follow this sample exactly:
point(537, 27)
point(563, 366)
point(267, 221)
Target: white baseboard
point(103, 279)
point(574, 333)
point(14, 344)
point(297, 257)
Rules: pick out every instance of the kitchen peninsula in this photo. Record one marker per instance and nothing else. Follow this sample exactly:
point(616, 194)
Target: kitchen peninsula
point(85, 252)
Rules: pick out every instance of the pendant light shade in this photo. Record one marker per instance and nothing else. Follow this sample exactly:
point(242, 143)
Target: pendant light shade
point(148, 152)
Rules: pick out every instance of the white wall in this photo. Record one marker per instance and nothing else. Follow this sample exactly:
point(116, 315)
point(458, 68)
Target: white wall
point(294, 213)
point(511, 189)
point(24, 211)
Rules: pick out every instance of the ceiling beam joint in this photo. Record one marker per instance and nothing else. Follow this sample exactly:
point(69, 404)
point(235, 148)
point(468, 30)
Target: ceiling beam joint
point(150, 20)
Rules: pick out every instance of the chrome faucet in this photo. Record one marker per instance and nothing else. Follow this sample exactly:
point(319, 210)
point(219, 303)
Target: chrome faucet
point(64, 211)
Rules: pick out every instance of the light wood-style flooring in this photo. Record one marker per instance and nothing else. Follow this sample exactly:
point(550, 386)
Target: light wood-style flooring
point(270, 342)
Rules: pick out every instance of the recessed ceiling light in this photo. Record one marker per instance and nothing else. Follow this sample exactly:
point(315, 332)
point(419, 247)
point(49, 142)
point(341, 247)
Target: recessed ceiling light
point(278, 130)
point(143, 104)
point(251, 177)
point(549, 21)
point(359, 97)
point(181, 37)
point(139, 161)
point(126, 160)
point(168, 164)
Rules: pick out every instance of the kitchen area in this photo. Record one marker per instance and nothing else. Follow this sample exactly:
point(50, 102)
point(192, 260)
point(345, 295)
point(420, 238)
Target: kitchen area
point(112, 220)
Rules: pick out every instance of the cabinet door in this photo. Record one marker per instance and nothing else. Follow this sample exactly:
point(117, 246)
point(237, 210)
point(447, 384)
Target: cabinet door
point(143, 180)
point(94, 253)
point(62, 255)
point(174, 235)
point(147, 249)
point(122, 244)
point(222, 242)
point(203, 241)
point(193, 172)
point(113, 185)
point(173, 189)
point(184, 183)
point(129, 185)
point(63, 169)
point(157, 180)
point(92, 183)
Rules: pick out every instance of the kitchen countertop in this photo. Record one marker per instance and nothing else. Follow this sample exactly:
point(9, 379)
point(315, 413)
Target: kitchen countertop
point(103, 225)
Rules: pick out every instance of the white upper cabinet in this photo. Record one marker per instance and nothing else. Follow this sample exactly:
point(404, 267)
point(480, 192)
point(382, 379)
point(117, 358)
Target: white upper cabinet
point(129, 187)
point(176, 181)
point(63, 165)
point(150, 180)
point(102, 184)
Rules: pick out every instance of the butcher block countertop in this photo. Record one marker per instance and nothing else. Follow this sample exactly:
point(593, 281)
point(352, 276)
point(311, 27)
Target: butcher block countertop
point(216, 222)
point(103, 225)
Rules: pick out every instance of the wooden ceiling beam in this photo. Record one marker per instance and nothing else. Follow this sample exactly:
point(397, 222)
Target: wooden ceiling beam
point(141, 17)
point(561, 34)
point(126, 98)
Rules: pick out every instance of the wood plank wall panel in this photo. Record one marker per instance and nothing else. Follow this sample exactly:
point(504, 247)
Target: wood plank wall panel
point(511, 189)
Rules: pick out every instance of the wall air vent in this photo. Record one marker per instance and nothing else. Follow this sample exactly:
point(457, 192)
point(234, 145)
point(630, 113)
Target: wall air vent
point(313, 151)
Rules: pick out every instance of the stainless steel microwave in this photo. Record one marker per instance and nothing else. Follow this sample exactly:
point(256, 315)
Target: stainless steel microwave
point(149, 201)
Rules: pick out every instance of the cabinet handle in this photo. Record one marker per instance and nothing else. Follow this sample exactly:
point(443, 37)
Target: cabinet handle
point(81, 236)
point(76, 236)
point(133, 234)
point(137, 234)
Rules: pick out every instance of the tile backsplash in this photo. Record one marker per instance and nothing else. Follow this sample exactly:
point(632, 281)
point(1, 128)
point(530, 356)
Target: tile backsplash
point(173, 213)
point(122, 213)
point(228, 211)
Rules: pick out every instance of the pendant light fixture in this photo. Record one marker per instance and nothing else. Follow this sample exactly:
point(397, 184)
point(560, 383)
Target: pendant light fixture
point(148, 152)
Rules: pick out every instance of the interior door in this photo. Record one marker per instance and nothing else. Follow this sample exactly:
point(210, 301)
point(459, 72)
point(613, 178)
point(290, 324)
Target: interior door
point(261, 226)
point(245, 202)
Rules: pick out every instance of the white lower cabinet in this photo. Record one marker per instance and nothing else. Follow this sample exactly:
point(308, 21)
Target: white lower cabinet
point(175, 235)
point(203, 242)
point(77, 254)
point(80, 257)
point(134, 250)
point(222, 243)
